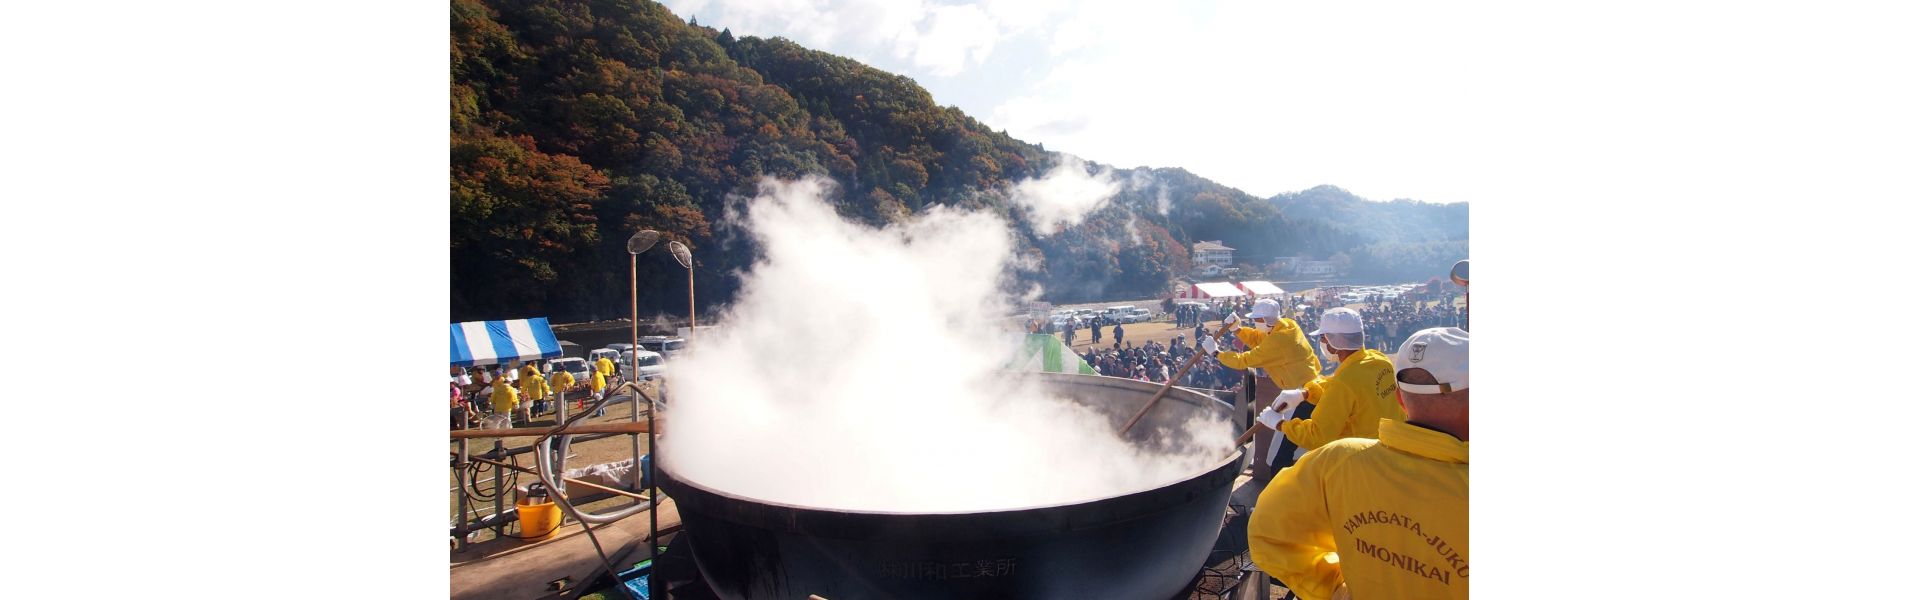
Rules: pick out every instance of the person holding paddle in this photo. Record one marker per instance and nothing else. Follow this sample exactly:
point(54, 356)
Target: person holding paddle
point(1355, 399)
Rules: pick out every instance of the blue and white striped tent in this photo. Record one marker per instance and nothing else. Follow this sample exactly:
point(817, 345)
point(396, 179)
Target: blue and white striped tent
point(478, 343)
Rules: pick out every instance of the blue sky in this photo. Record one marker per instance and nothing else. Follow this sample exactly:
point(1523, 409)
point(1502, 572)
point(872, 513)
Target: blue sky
point(1254, 95)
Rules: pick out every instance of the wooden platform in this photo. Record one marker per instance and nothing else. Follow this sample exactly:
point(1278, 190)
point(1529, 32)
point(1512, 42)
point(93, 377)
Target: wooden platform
point(511, 569)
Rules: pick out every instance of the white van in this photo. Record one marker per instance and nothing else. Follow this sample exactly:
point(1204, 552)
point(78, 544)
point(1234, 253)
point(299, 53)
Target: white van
point(668, 347)
point(651, 366)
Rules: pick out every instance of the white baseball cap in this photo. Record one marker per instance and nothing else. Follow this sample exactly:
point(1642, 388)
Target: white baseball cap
point(1264, 309)
point(1339, 320)
point(1442, 352)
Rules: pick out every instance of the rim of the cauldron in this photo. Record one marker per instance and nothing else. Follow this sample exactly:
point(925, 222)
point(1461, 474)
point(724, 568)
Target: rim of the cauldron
point(1235, 456)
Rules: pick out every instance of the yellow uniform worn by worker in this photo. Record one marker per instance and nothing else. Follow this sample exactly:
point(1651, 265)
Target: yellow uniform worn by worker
point(562, 381)
point(603, 366)
point(504, 397)
point(1351, 403)
point(599, 381)
point(1284, 353)
point(534, 386)
point(529, 371)
point(1387, 517)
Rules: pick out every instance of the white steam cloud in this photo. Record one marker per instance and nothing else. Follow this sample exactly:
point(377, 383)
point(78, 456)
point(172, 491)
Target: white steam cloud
point(1065, 196)
point(860, 369)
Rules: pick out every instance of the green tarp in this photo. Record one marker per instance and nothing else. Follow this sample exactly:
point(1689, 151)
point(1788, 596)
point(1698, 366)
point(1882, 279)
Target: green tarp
point(1047, 354)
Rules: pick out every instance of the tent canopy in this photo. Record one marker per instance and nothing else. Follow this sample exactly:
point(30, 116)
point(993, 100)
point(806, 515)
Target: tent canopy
point(480, 343)
point(1262, 288)
point(1217, 289)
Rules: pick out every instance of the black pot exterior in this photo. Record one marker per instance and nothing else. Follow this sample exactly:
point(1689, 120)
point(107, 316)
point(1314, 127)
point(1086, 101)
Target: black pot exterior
point(1146, 544)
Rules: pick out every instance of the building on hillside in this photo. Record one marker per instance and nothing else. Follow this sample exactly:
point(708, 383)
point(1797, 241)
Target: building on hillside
point(1316, 268)
point(1286, 264)
point(1213, 253)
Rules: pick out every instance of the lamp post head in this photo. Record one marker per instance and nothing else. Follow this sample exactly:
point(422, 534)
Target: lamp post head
point(641, 241)
point(681, 253)
point(1459, 273)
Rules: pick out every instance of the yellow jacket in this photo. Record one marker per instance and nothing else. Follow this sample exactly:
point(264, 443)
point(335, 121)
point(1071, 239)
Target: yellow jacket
point(604, 366)
point(504, 397)
point(528, 371)
point(1387, 517)
point(562, 381)
point(1285, 355)
point(599, 380)
point(534, 386)
point(1351, 403)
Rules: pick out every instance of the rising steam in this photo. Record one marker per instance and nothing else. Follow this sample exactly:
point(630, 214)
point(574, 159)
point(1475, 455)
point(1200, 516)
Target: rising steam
point(860, 369)
point(1065, 196)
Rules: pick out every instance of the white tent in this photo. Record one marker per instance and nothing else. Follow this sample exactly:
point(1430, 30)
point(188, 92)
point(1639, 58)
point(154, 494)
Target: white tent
point(1217, 289)
point(1262, 289)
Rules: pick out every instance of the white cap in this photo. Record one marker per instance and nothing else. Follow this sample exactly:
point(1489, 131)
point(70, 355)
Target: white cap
point(1340, 320)
point(1264, 309)
point(1442, 352)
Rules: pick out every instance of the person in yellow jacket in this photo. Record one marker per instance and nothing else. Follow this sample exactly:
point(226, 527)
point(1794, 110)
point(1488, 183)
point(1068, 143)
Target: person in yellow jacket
point(1383, 518)
point(562, 383)
point(1278, 346)
point(504, 398)
point(533, 387)
point(599, 390)
point(1351, 402)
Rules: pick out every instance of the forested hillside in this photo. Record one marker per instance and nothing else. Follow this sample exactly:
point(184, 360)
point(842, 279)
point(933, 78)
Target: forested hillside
point(573, 124)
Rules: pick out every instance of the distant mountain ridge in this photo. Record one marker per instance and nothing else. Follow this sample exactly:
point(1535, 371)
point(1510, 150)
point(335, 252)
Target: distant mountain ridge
point(1393, 221)
point(573, 124)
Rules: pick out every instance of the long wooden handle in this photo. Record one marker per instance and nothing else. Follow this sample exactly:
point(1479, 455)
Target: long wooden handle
point(1247, 436)
point(1197, 352)
point(638, 427)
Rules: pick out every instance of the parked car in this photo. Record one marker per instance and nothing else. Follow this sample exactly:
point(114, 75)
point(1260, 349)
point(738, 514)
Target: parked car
point(1141, 315)
point(651, 366)
point(618, 348)
point(595, 356)
point(667, 346)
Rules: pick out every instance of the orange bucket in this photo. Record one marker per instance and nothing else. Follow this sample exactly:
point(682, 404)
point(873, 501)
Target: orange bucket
point(537, 521)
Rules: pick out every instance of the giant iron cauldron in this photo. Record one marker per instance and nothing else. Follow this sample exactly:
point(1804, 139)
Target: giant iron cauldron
point(1145, 544)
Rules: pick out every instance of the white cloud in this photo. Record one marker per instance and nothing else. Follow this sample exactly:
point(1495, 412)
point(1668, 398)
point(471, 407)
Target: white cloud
point(956, 37)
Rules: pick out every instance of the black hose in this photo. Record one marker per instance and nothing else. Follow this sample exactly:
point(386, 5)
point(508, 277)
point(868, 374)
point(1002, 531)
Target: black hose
point(475, 470)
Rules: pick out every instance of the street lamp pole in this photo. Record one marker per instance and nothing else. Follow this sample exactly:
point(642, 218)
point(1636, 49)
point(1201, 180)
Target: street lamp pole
point(640, 242)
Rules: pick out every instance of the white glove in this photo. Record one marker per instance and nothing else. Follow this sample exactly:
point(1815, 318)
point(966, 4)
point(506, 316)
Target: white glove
point(1290, 398)
point(1270, 419)
point(1232, 320)
point(1212, 347)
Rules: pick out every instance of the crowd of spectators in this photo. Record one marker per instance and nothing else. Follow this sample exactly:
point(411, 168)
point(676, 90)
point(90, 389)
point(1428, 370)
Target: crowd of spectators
point(1390, 322)
point(1155, 362)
